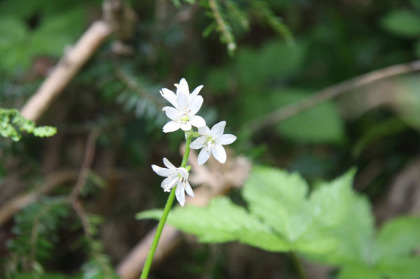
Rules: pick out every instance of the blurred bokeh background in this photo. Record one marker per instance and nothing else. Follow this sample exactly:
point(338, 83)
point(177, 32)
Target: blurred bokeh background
point(269, 68)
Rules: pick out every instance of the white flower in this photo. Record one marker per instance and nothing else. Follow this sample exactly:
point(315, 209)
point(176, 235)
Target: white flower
point(175, 177)
point(181, 88)
point(186, 105)
point(211, 141)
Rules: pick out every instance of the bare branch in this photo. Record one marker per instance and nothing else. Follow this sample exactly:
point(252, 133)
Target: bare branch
point(66, 69)
point(329, 93)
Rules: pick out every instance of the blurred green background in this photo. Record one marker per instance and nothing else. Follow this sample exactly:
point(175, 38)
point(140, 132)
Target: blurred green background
point(286, 52)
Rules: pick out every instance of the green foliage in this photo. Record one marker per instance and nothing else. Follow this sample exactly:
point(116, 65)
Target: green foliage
point(389, 255)
point(403, 22)
point(280, 218)
point(48, 276)
point(12, 123)
point(231, 17)
point(99, 267)
point(331, 224)
point(55, 25)
point(319, 124)
point(36, 232)
point(222, 221)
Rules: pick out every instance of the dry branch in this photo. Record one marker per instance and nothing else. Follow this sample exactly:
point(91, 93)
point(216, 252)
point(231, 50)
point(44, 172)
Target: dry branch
point(9, 209)
point(66, 69)
point(329, 93)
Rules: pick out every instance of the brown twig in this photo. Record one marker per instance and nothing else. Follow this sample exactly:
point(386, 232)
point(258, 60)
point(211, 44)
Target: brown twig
point(119, 18)
point(66, 69)
point(87, 162)
point(329, 93)
point(81, 181)
point(11, 207)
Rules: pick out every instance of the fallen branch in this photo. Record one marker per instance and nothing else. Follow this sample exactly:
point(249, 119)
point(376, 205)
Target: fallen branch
point(9, 209)
point(329, 93)
point(119, 18)
point(66, 69)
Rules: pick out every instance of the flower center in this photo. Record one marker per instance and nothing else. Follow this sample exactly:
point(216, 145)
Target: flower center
point(211, 141)
point(185, 118)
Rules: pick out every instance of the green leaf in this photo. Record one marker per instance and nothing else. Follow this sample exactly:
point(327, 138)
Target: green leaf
point(221, 221)
point(12, 123)
point(402, 22)
point(355, 236)
point(416, 4)
point(281, 200)
point(353, 272)
point(399, 237)
point(320, 124)
point(401, 268)
point(257, 66)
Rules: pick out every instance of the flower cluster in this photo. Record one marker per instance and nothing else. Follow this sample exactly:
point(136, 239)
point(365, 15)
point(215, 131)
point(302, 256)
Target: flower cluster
point(183, 115)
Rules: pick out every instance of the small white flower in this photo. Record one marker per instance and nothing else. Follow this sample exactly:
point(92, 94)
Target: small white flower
point(175, 177)
point(181, 88)
point(211, 141)
point(186, 105)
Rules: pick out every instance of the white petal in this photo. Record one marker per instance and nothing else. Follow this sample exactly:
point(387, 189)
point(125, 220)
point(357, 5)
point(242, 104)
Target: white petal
point(172, 113)
point(219, 153)
point(227, 139)
point(197, 121)
point(180, 194)
point(203, 156)
point(218, 129)
point(171, 126)
point(186, 126)
point(188, 189)
point(205, 131)
point(196, 90)
point(168, 164)
point(161, 171)
point(169, 183)
point(169, 95)
point(183, 172)
point(182, 88)
point(195, 104)
point(198, 143)
point(182, 101)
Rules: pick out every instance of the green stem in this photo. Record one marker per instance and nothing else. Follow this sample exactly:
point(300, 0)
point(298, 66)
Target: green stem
point(298, 265)
point(165, 214)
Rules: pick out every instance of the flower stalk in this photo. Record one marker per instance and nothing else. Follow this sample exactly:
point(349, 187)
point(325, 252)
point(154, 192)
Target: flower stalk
point(168, 206)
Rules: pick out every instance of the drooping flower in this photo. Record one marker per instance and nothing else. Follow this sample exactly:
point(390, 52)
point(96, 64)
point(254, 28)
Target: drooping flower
point(212, 141)
point(185, 106)
point(175, 177)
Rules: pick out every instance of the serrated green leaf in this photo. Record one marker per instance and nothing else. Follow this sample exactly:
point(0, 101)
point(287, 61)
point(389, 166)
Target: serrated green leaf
point(222, 221)
point(355, 235)
point(280, 200)
point(272, 195)
point(402, 22)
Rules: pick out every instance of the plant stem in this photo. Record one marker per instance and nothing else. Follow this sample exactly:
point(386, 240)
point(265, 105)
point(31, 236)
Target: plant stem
point(298, 265)
point(165, 214)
